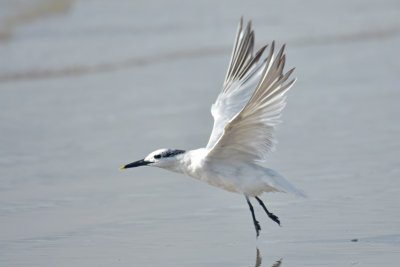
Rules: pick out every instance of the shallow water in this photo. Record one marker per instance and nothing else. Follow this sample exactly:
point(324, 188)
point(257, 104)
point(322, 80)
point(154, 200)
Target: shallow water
point(94, 85)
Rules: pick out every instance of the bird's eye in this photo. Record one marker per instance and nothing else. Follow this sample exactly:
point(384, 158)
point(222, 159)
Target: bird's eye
point(157, 156)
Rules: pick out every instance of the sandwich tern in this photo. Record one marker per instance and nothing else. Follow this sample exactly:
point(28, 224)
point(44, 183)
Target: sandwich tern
point(245, 113)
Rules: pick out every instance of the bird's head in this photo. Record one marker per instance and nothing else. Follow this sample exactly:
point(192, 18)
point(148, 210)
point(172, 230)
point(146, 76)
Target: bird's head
point(162, 158)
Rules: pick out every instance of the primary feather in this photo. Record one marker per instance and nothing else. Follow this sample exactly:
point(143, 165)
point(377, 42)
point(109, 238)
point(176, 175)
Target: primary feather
point(247, 110)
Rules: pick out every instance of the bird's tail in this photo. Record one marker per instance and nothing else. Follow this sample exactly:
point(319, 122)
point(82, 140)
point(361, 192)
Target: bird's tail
point(282, 184)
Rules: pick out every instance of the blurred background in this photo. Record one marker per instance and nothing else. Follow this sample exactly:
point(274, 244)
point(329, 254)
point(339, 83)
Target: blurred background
point(89, 85)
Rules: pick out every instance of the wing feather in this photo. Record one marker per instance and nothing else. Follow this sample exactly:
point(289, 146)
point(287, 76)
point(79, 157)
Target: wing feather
point(241, 54)
point(248, 109)
point(240, 82)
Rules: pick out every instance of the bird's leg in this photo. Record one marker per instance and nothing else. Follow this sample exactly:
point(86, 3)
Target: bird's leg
point(270, 215)
point(256, 223)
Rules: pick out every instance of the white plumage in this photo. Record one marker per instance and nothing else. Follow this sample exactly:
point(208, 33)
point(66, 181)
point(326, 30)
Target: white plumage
point(245, 113)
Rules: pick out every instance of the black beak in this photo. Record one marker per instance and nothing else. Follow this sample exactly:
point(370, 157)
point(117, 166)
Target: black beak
point(138, 163)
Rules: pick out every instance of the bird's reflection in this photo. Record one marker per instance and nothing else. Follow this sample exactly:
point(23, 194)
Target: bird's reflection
point(259, 260)
point(277, 263)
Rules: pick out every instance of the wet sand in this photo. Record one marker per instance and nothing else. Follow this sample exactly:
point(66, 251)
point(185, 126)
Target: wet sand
point(100, 84)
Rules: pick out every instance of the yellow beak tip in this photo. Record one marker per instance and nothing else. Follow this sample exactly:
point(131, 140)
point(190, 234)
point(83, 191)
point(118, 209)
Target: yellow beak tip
point(123, 167)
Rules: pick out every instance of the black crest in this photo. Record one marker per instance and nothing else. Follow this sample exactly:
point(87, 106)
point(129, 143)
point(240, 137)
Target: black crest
point(169, 153)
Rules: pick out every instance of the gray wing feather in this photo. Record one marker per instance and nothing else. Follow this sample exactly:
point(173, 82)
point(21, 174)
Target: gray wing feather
point(240, 82)
point(248, 108)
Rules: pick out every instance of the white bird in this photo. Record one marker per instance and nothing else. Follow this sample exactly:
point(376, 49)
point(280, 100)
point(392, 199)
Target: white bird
point(245, 113)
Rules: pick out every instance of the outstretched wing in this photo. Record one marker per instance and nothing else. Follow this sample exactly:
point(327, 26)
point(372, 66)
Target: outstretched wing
point(241, 79)
point(253, 96)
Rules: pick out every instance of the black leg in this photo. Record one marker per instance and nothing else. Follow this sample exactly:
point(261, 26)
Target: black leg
point(270, 215)
point(256, 223)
